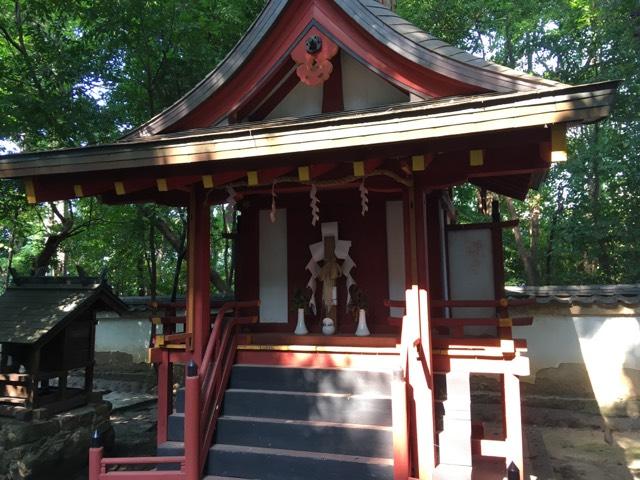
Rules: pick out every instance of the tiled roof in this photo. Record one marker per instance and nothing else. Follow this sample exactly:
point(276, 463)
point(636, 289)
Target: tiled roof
point(29, 312)
point(580, 294)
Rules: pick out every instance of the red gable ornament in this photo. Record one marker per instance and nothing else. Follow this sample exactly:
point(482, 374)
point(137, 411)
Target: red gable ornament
point(313, 56)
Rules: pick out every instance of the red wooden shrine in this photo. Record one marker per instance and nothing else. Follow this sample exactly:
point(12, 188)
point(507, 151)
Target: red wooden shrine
point(338, 119)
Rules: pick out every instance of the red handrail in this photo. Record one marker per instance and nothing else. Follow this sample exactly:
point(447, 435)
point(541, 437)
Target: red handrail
point(413, 391)
point(214, 372)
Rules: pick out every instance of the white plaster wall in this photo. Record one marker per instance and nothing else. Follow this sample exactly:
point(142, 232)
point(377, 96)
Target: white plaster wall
point(124, 335)
point(608, 347)
point(273, 267)
point(363, 88)
point(302, 101)
point(395, 254)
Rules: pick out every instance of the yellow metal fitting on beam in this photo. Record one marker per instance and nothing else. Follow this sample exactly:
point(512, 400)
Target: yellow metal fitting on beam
point(162, 185)
point(252, 178)
point(476, 158)
point(30, 191)
point(417, 163)
point(358, 169)
point(304, 174)
point(159, 340)
point(559, 143)
point(119, 186)
point(207, 181)
point(505, 322)
point(77, 190)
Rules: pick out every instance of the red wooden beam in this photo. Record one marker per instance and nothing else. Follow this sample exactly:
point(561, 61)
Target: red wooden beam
point(332, 95)
point(272, 88)
point(275, 98)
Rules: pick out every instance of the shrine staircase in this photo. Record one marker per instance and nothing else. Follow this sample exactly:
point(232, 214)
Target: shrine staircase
point(298, 423)
point(367, 408)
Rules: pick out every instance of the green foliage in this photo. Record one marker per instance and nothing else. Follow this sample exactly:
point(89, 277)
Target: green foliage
point(80, 72)
point(582, 226)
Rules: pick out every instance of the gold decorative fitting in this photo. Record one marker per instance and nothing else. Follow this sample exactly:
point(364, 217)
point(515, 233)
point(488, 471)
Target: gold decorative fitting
point(559, 143)
point(358, 169)
point(30, 191)
point(304, 175)
point(417, 163)
point(476, 158)
point(162, 185)
point(207, 181)
point(252, 178)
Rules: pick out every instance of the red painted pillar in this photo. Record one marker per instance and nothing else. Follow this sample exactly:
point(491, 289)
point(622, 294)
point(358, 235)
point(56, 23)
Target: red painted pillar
point(198, 266)
point(192, 424)
point(95, 461)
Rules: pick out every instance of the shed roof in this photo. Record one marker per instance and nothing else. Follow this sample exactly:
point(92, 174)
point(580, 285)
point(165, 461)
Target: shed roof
point(31, 313)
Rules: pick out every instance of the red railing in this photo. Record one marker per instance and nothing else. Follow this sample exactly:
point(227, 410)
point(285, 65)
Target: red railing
point(412, 388)
point(216, 368)
point(204, 392)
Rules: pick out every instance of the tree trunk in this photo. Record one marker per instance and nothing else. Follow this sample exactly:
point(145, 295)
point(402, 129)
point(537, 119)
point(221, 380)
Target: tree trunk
point(523, 252)
point(153, 263)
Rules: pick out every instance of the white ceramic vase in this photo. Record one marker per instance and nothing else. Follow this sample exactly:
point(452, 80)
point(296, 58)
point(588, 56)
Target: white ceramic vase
point(362, 330)
point(301, 327)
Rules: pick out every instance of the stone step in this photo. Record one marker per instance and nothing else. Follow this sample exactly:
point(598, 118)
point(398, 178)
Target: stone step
point(322, 380)
point(278, 464)
point(312, 436)
point(309, 406)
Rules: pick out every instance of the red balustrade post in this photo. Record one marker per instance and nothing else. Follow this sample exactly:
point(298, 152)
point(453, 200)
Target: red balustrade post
point(96, 452)
point(164, 403)
point(192, 423)
point(400, 427)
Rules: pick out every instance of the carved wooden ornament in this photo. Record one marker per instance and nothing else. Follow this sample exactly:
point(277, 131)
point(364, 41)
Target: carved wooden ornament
point(313, 57)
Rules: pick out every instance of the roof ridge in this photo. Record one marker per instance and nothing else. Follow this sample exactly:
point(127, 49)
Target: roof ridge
point(373, 5)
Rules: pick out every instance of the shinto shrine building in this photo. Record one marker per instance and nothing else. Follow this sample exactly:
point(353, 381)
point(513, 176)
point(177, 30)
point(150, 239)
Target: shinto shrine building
point(337, 129)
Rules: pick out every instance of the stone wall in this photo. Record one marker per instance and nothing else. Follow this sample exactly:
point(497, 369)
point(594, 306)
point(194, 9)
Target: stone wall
point(53, 448)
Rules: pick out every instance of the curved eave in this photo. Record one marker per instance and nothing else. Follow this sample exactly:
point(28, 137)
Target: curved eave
point(386, 27)
point(421, 48)
point(219, 76)
point(425, 121)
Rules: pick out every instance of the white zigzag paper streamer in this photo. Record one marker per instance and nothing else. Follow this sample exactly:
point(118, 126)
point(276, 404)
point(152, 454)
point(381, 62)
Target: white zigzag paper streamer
point(364, 198)
point(315, 210)
point(231, 199)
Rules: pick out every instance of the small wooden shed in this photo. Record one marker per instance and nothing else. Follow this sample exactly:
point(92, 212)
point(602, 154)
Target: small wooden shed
point(47, 330)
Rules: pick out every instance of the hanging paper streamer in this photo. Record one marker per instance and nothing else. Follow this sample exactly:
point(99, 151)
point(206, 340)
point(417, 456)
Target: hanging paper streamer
point(330, 229)
point(231, 199)
point(364, 198)
point(272, 215)
point(315, 210)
